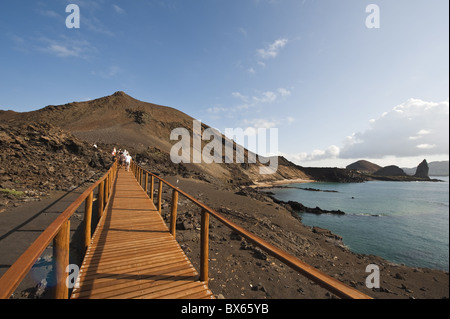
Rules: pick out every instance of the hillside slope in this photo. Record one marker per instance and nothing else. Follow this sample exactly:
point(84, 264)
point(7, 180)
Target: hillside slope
point(144, 128)
point(364, 166)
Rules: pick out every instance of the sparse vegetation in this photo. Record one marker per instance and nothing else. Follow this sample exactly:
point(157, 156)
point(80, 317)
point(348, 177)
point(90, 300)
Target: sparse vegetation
point(13, 192)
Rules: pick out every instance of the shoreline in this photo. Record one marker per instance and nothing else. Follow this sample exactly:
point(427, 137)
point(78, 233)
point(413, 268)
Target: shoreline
point(270, 184)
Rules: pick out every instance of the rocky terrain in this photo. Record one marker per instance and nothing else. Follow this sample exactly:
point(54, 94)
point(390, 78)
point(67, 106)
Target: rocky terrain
point(39, 158)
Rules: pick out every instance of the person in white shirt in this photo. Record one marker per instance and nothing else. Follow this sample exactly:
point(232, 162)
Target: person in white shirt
point(127, 162)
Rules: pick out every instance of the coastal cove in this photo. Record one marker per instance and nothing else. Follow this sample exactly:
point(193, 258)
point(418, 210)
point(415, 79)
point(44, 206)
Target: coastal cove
point(402, 222)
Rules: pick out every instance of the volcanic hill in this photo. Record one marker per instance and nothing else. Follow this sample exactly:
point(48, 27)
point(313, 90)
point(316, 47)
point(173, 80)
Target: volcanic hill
point(122, 121)
point(364, 166)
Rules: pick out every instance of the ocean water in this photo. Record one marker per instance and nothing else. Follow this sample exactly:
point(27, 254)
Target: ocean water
point(403, 222)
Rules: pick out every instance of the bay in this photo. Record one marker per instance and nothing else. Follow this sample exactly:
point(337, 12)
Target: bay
point(403, 222)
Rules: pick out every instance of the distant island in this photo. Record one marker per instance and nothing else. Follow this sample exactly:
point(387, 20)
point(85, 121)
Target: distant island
point(436, 169)
point(394, 173)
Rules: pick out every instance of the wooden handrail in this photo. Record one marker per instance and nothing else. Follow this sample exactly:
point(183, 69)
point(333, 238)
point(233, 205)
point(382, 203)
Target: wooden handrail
point(59, 232)
point(331, 284)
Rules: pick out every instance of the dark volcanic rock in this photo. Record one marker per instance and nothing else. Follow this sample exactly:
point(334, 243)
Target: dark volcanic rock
point(338, 175)
point(300, 208)
point(39, 157)
point(422, 170)
point(390, 171)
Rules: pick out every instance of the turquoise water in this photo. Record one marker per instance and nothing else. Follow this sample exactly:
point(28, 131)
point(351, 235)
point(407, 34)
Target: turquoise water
point(403, 222)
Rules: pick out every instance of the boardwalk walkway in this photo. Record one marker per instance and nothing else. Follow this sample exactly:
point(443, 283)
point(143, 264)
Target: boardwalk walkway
point(133, 255)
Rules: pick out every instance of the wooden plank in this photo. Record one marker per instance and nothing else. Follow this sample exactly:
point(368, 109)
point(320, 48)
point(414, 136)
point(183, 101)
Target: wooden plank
point(173, 290)
point(130, 268)
point(105, 287)
point(109, 279)
point(132, 253)
point(139, 287)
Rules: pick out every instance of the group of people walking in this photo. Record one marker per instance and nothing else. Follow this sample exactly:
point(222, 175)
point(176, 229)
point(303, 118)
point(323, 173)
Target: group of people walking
point(124, 158)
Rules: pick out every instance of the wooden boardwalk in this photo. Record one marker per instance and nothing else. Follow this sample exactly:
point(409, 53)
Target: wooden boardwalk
point(133, 255)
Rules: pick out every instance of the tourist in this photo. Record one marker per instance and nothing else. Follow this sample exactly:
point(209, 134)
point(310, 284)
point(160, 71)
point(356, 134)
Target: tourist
point(122, 158)
point(127, 162)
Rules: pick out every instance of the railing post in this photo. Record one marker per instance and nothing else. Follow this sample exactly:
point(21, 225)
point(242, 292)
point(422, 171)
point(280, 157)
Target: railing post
point(173, 216)
point(61, 255)
point(204, 249)
point(88, 220)
point(106, 193)
point(109, 187)
point(146, 182)
point(160, 196)
point(152, 186)
point(101, 198)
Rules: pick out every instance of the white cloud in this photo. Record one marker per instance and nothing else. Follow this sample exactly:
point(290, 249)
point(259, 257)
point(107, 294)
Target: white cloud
point(260, 123)
point(266, 97)
point(95, 25)
point(242, 31)
point(290, 120)
point(330, 153)
point(50, 14)
point(65, 47)
point(63, 51)
point(272, 50)
point(253, 101)
point(261, 64)
point(413, 128)
point(216, 109)
point(284, 92)
point(424, 132)
point(420, 134)
point(118, 9)
point(426, 146)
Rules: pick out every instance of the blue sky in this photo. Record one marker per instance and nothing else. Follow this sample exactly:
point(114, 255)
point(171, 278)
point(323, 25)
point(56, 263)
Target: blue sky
point(336, 90)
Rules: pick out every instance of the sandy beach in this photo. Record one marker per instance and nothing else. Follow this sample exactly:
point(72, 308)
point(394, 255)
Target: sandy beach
point(270, 184)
